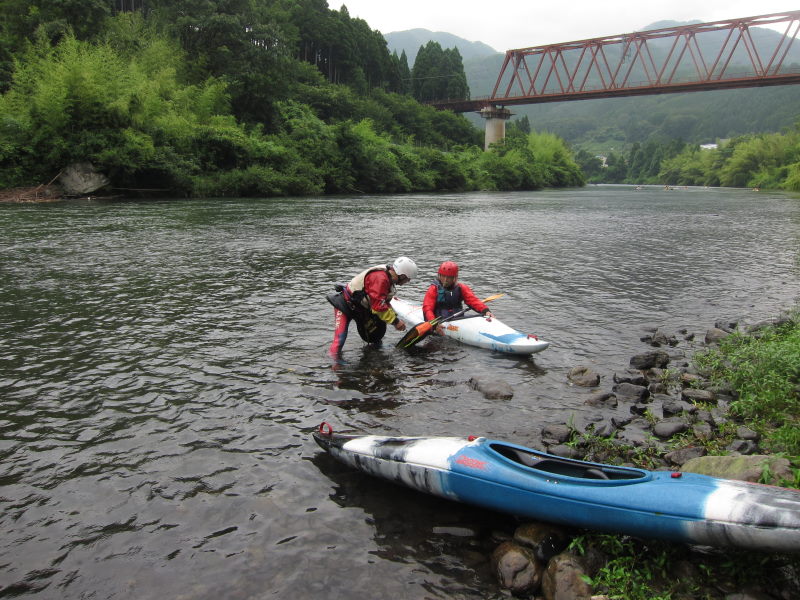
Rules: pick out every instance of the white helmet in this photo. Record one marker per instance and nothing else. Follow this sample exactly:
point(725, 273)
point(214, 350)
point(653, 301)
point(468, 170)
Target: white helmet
point(405, 266)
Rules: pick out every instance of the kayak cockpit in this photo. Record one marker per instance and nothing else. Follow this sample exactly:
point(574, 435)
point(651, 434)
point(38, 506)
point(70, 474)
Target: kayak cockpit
point(566, 467)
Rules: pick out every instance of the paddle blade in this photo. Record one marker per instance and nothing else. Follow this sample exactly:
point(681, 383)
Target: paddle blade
point(415, 335)
point(494, 297)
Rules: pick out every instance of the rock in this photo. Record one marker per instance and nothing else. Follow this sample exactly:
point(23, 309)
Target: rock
point(602, 399)
point(702, 431)
point(658, 375)
point(621, 421)
point(604, 428)
point(690, 379)
point(492, 389)
point(544, 539)
point(743, 468)
point(565, 451)
point(631, 376)
point(681, 456)
point(745, 433)
point(633, 436)
point(714, 335)
point(555, 434)
point(659, 338)
point(669, 427)
point(742, 447)
point(705, 416)
point(584, 377)
point(630, 392)
point(648, 360)
point(728, 326)
point(673, 407)
point(693, 395)
point(516, 568)
point(563, 579)
point(81, 178)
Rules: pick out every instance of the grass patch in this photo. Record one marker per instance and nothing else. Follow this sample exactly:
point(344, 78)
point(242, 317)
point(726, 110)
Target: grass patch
point(764, 369)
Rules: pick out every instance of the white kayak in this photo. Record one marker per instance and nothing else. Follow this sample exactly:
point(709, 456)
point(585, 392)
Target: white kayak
point(476, 330)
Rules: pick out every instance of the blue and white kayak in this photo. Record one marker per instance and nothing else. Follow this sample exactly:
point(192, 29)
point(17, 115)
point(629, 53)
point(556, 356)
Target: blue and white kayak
point(476, 330)
point(681, 507)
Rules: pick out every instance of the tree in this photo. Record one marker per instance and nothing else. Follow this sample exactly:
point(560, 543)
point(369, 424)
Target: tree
point(438, 74)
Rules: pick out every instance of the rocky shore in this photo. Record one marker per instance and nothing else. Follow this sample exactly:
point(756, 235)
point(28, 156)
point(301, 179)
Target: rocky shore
point(660, 413)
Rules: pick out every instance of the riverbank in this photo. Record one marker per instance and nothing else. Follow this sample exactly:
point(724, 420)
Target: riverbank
point(39, 193)
point(670, 411)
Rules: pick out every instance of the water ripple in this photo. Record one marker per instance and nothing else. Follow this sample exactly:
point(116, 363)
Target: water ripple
point(164, 362)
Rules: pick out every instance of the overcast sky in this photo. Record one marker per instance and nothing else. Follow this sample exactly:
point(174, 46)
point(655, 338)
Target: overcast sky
point(509, 24)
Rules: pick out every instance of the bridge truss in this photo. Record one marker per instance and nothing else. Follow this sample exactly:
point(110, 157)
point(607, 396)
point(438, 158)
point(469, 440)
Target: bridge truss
point(706, 56)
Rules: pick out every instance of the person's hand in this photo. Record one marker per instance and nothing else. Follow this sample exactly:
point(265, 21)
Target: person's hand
point(400, 326)
point(488, 314)
point(439, 330)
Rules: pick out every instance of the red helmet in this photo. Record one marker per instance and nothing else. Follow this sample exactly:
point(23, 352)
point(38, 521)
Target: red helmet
point(449, 269)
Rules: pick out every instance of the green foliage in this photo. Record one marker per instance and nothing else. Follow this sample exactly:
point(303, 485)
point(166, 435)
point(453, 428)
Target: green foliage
point(370, 158)
point(439, 74)
point(209, 98)
point(765, 371)
point(639, 570)
point(560, 168)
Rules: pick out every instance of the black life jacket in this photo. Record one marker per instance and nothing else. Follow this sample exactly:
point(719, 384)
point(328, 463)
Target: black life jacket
point(447, 301)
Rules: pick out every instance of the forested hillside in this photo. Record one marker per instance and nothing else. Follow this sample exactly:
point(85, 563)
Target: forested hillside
point(656, 139)
point(235, 98)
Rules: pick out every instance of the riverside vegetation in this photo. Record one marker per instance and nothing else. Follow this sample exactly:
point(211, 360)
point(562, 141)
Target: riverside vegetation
point(764, 160)
point(240, 98)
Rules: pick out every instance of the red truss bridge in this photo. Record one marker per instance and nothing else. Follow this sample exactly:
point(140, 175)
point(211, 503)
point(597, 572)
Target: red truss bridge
point(734, 53)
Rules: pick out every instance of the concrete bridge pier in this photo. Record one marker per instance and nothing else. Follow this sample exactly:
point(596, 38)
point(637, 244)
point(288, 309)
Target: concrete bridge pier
point(496, 118)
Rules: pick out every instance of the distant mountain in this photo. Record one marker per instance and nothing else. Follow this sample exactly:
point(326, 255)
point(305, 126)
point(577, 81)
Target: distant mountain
point(411, 40)
point(614, 124)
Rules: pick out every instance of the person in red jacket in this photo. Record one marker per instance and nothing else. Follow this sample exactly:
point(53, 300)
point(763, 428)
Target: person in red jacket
point(366, 301)
point(446, 295)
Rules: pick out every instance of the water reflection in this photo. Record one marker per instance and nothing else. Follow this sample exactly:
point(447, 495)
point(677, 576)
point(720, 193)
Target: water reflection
point(449, 543)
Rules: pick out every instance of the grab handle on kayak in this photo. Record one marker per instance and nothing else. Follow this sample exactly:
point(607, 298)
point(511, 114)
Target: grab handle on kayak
point(325, 428)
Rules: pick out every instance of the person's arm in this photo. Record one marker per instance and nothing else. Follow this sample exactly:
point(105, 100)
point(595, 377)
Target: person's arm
point(473, 301)
point(377, 286)
point(429, 303)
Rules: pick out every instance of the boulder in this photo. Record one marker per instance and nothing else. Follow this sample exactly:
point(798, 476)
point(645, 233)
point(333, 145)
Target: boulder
point(631, 392)
point(516, 568)
point(648, 360)
point(714, 335)
point(583, 376)
point(492, 389)
point(564, 579)
point(81, 178)
point(544, 539)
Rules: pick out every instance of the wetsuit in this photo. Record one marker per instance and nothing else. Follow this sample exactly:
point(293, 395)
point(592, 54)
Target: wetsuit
point(367, 299)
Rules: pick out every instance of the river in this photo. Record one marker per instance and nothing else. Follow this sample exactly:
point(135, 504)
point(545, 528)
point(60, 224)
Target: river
point(163, 363)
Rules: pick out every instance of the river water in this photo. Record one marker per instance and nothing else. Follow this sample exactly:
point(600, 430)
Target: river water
point(163, 363)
